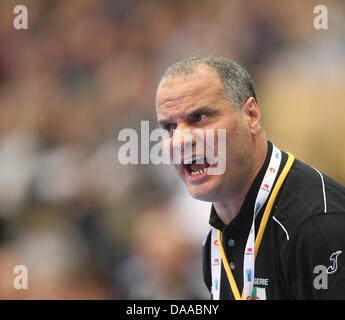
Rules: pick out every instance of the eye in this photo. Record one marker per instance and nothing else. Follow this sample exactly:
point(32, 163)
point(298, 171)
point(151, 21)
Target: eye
point(168, 127)
point(199, 117)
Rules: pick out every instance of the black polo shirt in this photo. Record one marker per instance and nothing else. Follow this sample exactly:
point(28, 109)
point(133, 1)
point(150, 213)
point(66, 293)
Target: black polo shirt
point(302, 253)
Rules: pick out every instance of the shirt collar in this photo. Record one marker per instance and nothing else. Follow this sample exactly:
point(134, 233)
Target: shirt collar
point(243, 219)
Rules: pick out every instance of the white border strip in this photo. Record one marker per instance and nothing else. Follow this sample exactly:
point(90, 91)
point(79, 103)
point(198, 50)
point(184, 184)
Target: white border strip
point(287, 235)
point(323, 191)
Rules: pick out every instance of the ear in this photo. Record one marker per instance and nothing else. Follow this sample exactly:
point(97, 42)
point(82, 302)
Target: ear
point(251, 113)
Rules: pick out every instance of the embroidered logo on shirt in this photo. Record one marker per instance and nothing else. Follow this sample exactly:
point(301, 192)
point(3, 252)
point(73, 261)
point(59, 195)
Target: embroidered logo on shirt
point(321, 280)
point(334, 259)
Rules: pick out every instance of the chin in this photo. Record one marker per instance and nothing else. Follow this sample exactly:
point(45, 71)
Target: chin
point(202, 195)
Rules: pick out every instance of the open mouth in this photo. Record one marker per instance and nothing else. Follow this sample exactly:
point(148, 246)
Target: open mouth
point(196, 169)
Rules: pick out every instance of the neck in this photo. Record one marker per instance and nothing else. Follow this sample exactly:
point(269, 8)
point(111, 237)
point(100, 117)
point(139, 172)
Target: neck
point(228, 210)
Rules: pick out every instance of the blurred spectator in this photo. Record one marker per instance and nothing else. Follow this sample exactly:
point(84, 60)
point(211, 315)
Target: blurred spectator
point(161, 263)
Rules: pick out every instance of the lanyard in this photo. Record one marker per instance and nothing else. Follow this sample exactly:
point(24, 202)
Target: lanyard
point(252, 245)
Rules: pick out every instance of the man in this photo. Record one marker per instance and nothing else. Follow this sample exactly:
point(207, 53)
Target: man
point(277, 224)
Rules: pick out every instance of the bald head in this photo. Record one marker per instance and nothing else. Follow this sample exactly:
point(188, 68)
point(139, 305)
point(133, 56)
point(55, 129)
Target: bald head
point(237, 84)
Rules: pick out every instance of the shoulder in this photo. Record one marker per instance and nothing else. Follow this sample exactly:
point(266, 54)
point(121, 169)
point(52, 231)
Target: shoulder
point(309, 197)
point(308, 224)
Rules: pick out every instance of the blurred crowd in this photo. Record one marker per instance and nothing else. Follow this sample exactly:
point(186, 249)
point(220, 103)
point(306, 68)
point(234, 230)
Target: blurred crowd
point(88, 227)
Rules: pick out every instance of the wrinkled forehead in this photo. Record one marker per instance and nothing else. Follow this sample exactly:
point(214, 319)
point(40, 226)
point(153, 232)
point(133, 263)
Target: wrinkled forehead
point(196, 85)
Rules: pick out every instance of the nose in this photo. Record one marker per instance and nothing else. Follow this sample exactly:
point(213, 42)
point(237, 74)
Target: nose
point(183, 141)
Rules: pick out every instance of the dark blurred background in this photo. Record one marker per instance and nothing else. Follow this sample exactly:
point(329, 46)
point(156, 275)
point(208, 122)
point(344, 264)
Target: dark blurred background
point(87, 227)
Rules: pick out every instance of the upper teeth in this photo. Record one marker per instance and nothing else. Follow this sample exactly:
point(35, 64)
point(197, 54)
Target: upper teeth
point(195, 173)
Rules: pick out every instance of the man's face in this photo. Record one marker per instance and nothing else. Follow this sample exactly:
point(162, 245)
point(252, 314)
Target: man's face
point(197, 101)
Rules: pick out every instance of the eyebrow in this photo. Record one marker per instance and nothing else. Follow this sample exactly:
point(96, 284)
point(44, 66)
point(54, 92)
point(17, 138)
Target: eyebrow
point(163, 122)
point(204, 109)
